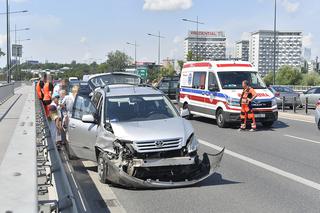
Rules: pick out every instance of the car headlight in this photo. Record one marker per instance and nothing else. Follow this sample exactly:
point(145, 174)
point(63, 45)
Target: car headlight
point(274, 102)
point(233, 102)
point(192, 144)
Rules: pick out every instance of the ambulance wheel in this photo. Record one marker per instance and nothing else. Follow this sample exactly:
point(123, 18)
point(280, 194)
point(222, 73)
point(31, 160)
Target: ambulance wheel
point(186, 106)
point(221, 121)
point(267, 123)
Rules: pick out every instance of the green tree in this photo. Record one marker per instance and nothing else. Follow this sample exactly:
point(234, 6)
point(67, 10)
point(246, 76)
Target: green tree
point(268, 79)
point(311, 79)
point(180, 63)
point(167, 71)
point(190, 56)
point(288, 75)
point(118, 60)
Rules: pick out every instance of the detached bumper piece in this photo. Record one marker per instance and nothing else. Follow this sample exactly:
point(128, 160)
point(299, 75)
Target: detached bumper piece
point(165, 176)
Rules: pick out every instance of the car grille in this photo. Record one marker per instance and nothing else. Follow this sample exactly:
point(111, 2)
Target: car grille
point(262, 104)
point(158, 145)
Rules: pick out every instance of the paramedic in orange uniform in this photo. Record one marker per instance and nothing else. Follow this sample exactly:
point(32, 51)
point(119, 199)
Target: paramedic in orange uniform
point(247, 96)
point(39, 86)
point(47, 94)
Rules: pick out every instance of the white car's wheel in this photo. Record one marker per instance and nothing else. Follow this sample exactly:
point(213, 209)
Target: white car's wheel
point(102, 168)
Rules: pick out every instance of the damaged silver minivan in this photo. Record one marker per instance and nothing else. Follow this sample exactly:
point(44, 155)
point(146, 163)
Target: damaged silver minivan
point(138, 139)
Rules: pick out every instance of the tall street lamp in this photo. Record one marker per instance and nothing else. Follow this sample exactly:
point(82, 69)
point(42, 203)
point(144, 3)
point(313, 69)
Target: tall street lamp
point(135, 53)
point(7, 13)
point(159, 37)
point(196, 22)
point(275, 41)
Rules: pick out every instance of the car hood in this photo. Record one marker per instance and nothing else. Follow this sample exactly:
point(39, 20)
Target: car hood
point(153, 130)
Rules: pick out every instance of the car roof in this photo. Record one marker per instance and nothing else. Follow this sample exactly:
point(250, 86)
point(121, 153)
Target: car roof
point(129, 90)
point(111, 73)
point(227, 65)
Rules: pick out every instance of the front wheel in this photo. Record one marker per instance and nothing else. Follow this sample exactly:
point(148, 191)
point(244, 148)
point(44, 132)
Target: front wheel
point(221, 121)
point(267, 123)
point(102, 168)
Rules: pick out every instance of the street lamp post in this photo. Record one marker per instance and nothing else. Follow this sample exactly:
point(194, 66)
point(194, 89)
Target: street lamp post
point(7, 13)
point(275, 41)
point(8, 44)
point(159, 37)
point(135, 53)
point(197, 41)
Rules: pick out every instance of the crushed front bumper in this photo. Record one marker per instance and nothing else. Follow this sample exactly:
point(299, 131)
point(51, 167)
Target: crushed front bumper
point(205, 168)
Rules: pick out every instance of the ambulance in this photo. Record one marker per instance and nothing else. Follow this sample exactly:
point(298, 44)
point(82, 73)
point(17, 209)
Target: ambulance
point(213, 89)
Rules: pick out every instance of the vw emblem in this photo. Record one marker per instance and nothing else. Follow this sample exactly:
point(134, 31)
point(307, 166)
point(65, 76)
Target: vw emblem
point(159, 143)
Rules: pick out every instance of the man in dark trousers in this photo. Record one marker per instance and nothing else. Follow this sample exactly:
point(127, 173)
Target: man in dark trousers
point(247, 96)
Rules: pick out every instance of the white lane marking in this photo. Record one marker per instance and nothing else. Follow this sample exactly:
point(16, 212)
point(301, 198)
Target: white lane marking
point(265, 166)
point(84, 207)
point(303, 139)
point(69, 167)
point(295, 119)
point(74, 180)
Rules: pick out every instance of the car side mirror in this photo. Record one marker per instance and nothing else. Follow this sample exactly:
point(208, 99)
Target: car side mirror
point(213, 88)
point(304, 92)
point(88, 119)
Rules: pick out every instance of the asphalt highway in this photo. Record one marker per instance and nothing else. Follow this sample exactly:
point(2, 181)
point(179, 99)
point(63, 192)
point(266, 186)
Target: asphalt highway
point(270, 170)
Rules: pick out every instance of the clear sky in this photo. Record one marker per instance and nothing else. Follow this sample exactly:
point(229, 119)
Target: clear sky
point(86, 30)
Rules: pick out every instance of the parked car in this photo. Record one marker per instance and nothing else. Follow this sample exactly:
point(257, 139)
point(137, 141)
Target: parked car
point(276, 95)
point(168, 85)
point(288, 94)
point(317, 114)
point(138, 139)
point(313, 96)
point(103, 79)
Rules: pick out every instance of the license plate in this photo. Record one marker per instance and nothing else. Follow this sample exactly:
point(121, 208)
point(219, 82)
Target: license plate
point(260, 115)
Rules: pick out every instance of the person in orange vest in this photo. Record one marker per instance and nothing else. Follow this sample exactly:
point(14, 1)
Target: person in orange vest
point(247, 96)
point(39, 86)
point(47, 94)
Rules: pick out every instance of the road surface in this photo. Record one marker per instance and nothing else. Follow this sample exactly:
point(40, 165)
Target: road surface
point(271, 170)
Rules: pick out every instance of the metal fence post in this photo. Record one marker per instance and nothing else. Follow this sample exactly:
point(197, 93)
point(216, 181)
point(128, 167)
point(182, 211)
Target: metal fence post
point(306, 105)
point(283, 103)
point(294, 104)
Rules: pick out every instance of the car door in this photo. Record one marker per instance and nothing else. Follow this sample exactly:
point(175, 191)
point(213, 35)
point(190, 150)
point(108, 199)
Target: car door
point(82, 136)
point(197, 99)
point(211, 94)
point(308, 95)
point(314, 97)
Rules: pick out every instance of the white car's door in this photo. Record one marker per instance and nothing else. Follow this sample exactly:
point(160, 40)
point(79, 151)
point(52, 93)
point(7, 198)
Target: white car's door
point(82, 136)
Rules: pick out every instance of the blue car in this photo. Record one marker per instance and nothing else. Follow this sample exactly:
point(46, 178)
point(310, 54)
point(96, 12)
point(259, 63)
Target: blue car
point(317, 114)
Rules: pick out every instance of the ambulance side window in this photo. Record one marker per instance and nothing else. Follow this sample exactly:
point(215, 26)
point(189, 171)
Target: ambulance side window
point(199, 80)
point(212, 82)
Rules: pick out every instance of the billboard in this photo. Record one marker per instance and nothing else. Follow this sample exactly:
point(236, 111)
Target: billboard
point(16, 50)
point(206, 34)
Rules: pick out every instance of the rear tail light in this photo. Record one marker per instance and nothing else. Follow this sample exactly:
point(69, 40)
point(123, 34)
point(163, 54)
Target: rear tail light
point(277, 94)
point(318, 104)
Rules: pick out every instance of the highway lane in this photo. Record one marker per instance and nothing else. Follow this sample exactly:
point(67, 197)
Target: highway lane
point(240, 186)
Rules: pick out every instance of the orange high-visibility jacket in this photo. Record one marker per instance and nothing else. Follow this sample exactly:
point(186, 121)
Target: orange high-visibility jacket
point(46, 92)
point(39, 91)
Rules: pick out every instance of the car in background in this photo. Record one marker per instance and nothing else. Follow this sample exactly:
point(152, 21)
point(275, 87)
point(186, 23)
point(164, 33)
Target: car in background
point(313, 96)
point(287, 93)
point(104, 79)
point(276, 95)
point(317, 114)
point(73, 79)
point(138, 139)
point(168, 85)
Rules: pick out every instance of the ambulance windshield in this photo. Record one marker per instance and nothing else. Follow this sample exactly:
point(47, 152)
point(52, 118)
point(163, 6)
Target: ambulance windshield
point(233, 79)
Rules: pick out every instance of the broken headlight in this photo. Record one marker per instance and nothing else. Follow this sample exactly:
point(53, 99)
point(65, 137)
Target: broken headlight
point(192, 144)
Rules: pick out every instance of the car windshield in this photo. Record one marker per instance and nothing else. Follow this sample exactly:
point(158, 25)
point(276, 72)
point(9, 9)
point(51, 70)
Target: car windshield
point(233, 80)
point(283, 89)
point(138, 108)
point(115, 79)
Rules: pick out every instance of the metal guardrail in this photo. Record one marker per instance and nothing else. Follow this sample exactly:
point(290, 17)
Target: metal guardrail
point(6, 91)
point(54, 168)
